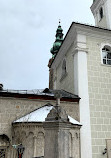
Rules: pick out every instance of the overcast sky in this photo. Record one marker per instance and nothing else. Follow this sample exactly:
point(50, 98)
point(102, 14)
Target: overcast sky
point(27, 32)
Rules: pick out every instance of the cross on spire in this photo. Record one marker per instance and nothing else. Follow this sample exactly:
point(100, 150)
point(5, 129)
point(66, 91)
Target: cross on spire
point(59, 21)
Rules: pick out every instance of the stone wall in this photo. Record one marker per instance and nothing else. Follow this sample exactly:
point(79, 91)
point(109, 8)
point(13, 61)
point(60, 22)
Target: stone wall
point(13, 108)
point(99, 86)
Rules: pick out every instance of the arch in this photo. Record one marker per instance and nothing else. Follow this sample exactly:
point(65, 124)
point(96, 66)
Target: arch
point(4, 140)
point(4, 143)
point(106, 55)
point(4, 137)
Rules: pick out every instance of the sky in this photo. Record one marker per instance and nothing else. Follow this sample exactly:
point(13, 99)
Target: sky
point(27, 33)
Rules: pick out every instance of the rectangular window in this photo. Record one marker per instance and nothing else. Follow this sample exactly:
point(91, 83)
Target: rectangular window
point(2, 153)
point(106, 57)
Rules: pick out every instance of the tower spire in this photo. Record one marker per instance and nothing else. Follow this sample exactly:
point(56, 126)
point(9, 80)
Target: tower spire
point(58, 41)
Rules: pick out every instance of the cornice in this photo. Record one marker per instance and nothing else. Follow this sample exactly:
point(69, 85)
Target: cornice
point(77, 49)
point(82, 29)
point(58, 125)
point(27, 124)
point(92, 31)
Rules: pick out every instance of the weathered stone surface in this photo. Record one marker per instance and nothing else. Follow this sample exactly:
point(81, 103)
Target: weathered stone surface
point(12, 109)
point(57, 133)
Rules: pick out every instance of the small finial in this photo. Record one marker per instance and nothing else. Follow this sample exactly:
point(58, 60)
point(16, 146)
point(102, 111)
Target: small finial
point(59, 21)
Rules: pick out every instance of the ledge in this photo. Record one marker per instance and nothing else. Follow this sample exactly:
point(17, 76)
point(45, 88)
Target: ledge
point(106, 65)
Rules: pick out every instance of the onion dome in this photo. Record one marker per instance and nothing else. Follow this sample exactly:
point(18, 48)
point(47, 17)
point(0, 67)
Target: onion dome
point(59, 39)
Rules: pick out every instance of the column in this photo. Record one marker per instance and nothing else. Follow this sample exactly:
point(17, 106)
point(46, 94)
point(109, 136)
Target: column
point(56, 129)
point(73, 147)
point(81, 89)
point(35, 147)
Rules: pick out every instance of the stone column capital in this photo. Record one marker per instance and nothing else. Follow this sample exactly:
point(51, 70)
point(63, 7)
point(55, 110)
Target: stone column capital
point(79, 49)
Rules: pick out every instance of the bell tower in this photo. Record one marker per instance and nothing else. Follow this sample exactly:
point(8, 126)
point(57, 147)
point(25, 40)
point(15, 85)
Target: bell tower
point(101, 10)
point(54, 50)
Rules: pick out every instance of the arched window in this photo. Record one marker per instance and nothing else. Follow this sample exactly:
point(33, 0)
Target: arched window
point(4, 143)
point(101, 13)
point(106, 55)
point(64, 67)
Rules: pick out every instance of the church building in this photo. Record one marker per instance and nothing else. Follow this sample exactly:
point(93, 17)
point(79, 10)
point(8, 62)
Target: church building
point(82, 65)
point(80, 70)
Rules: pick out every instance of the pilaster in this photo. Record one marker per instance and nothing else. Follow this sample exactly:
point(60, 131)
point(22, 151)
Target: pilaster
point(35, 146)
point(81, 89)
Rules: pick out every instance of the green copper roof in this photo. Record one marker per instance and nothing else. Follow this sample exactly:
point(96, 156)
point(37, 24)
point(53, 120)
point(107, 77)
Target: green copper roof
point(59, 39)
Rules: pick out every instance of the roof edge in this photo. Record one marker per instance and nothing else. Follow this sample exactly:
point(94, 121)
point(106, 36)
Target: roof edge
point(81, 24)
point(36, 96)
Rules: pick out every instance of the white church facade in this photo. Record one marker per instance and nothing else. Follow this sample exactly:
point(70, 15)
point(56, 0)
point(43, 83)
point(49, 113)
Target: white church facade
point(80, 69)
point(83, 66)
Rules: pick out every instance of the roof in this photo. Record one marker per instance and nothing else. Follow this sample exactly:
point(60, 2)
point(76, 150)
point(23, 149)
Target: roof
point(62, 92)
point(80, 24)
point(40, 114)
point(45, 94)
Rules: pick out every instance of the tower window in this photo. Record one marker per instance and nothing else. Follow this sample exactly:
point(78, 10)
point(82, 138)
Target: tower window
point(106, 55)
point(64, 67)
point(101, 13)
point(64, 70)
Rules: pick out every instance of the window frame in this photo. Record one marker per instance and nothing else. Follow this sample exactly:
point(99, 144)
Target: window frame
point(64, 68)
point(104, 60)
point(101, 13)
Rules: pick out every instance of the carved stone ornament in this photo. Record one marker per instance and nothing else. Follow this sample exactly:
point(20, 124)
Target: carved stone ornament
point(57, 114)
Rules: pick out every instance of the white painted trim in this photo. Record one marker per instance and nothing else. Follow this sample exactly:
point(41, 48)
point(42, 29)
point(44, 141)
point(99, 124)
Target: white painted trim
point(101, 47)
point(108, 13)
point(80, 60)
point(75, 55)
point(82, 30)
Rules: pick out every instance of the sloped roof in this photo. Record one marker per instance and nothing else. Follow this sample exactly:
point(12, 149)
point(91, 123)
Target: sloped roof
point(40, 114)
point(64, 93)
point(46, 94)
point(84, 25)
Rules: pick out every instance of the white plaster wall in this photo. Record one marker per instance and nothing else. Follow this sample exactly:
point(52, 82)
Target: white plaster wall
point(108, 13)
point(75, 73)
point(106, 20)
point(66, 82)
point(81, 79)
